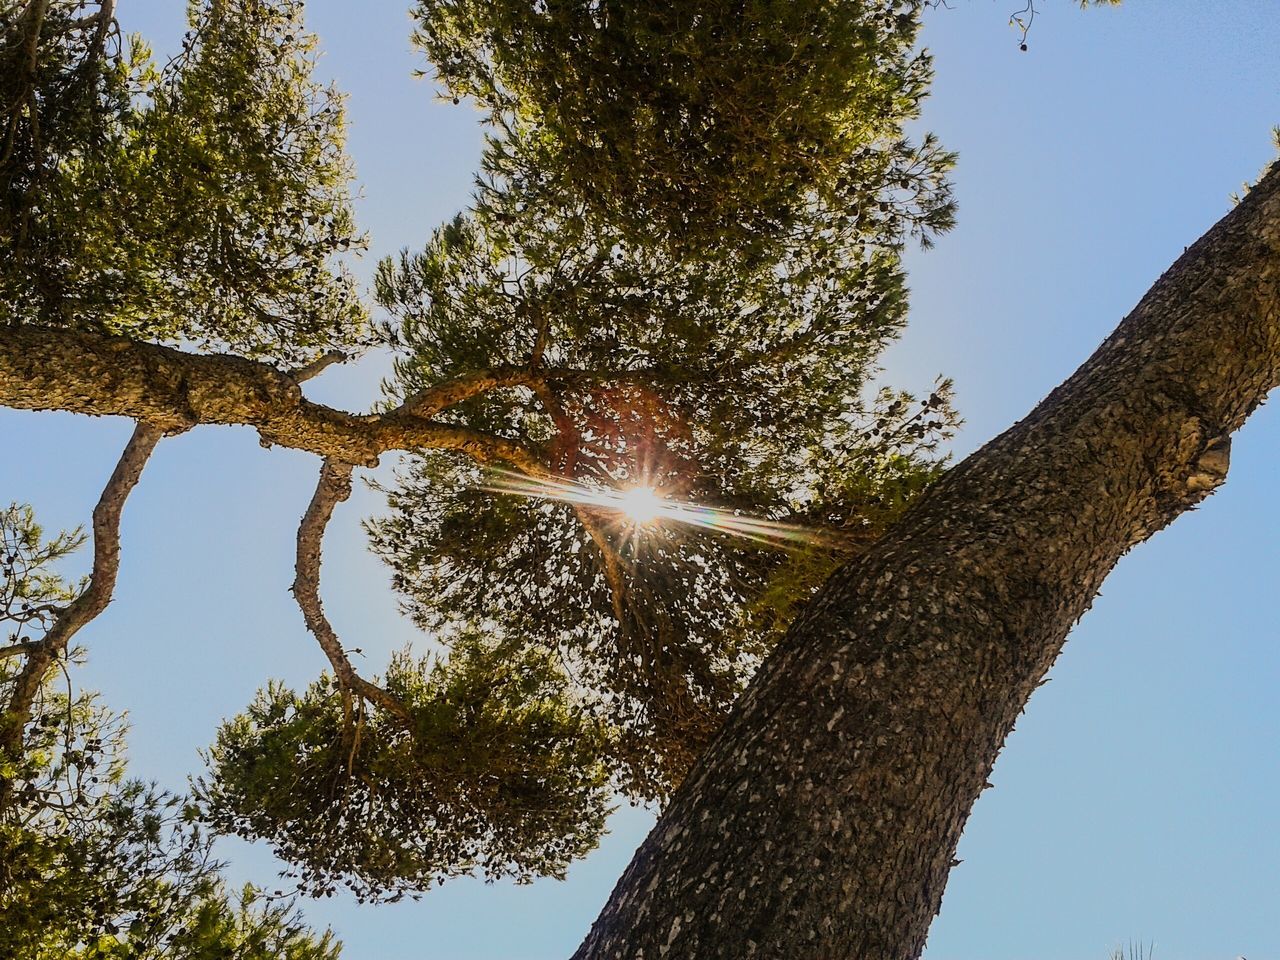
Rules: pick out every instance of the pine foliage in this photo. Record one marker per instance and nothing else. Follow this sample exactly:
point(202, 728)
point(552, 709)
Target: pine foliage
point(93, 864)
point(696, 122)
point(204, 200)
point(495, 771)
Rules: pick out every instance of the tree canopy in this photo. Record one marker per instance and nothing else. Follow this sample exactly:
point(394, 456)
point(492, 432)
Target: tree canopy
point(633, 391)
point(699, 123)
point(200, 201)
point(681, 262)
point(675, 274)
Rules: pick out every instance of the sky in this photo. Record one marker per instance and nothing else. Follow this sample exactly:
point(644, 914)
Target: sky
point(1137, 798)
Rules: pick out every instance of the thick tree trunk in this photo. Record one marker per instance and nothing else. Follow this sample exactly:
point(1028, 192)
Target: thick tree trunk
point(823, 821)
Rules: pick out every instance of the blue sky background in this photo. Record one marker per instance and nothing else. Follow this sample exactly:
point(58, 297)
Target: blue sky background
point(1137, 798)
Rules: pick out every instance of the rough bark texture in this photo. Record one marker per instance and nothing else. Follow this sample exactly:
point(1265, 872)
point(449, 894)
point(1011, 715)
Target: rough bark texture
point(45, 368)
point(823, 821)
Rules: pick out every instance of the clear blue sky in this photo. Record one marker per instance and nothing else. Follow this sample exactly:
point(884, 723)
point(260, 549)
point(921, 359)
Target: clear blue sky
point(1137, 798)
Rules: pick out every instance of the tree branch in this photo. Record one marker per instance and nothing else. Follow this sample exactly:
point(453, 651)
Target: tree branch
point(593, 521)
point(317, 366)
point(87, 606)
point(20, 648)
point(46, 368)
point(431, 400)
point(334, 487)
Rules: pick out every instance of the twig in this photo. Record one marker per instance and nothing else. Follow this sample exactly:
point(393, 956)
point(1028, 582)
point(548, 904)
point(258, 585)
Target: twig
point(318, 366)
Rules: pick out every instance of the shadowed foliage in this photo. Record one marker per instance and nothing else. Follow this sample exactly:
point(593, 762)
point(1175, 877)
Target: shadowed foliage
point(93, 865)
point(696, 122)
point(202, 200)
point(495, 770)
point(681, 261)
point(719, 380)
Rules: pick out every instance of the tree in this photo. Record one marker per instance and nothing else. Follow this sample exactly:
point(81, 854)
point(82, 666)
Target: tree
point(542, 332)
point(1007, 576)
point(876, 723)
point(92, 864)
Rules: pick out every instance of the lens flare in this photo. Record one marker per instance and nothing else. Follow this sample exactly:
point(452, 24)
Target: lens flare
point(643, 506)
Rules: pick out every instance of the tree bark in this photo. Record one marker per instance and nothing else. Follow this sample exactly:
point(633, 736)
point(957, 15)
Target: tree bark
point(822, 822)
point(333, 488)
point(48, 368)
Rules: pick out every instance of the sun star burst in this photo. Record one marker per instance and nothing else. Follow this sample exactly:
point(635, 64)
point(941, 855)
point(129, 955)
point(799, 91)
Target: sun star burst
point(644, 506)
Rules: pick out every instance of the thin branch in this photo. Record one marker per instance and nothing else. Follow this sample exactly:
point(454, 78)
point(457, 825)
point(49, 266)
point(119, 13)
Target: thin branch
point(36, 12)
point(317, 366)
point(431, 400)
point(541, 340)
point(334, 487)
point(87, 606)
point(593, 521)
point(35, 15)
point(103, 21)
point(20, 648)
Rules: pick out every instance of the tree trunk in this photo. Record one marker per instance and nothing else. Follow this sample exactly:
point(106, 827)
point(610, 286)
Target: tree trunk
point(823, 820)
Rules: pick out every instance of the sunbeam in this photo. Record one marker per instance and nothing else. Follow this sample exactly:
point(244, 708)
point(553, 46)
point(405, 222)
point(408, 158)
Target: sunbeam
point(643, 506)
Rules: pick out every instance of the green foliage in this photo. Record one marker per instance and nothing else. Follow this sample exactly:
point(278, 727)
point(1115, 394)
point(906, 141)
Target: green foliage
point(686, 236)
point(32, 591)
point(728, 382)
point(496, 770)
point(93, 865)
point(205, 201)
point(701, 606)
point(695, 122)
point(854, 498)
point(127, 874)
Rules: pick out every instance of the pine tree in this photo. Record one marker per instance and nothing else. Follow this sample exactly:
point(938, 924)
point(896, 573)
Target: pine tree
point(712, 340)
point(682, 290)
point(93, 864)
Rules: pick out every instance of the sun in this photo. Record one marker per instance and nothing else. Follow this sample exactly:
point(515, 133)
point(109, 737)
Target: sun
point(641, 504)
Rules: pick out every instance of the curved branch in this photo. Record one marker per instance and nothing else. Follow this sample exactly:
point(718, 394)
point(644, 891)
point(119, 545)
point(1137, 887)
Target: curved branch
point(87, 606)
point(318, 366)
point(334, 487)
point(43, 368)
point(432, 400)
